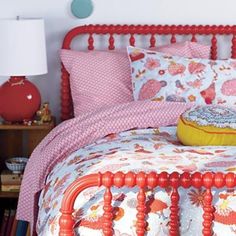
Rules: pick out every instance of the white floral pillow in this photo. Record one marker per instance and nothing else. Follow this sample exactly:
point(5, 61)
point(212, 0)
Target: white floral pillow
point(159, 77)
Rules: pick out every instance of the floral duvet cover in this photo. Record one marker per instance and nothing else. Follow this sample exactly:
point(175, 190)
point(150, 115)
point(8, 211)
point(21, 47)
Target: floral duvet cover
point(139, 150)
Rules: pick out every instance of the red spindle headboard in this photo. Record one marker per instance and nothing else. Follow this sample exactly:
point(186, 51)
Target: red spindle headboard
point(132, 30)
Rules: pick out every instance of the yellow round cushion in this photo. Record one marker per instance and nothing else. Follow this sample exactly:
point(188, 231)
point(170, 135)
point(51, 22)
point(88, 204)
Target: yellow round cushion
point(208, 126)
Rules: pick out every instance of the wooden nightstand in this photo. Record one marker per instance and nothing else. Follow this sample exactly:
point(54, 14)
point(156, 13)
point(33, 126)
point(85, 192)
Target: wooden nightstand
point(20, 140)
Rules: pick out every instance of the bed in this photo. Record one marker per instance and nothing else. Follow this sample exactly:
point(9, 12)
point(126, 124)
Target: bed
point(131, 175)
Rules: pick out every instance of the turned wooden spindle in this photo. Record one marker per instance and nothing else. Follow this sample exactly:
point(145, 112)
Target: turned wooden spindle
point(152, 41)
point(174, 208)
point(207, 182)
point(214, 48)
point(141, 182)
point(208, 214)
point(141, 213)
point(107, 215)
point(66, 223)
point(233, 48)
point(90, 42)
point(111, 42)
point(173, 39)
point(194, 39)
point(132, 40)
point(174, 215)
point(66, 101)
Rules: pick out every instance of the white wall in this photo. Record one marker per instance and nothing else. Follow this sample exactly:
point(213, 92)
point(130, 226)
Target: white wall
point(59, 21)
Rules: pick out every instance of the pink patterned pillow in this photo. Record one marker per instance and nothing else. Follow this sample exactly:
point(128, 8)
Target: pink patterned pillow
point(97, 79)
point(102, 78)
point(186, 49)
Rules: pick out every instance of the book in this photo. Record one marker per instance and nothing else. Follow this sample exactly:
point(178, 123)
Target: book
point(4, 222)
point(10, 221)
point(7, 177)
point(21, 228)
point(10, 188)
point(1, 215)
point(28, 231)
point(13, 228)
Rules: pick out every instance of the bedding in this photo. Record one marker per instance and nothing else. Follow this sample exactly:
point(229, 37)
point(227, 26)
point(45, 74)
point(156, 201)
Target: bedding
point(161, 77)
point(186, 49)
point(208, 125)
point(84, 130)
point(102, 78)
point(138, 150)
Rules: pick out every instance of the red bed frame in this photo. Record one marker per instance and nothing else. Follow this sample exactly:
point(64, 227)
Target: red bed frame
point(142, 180)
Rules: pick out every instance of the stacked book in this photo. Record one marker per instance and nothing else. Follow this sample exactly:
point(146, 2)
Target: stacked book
point(10, 182)
point(10, 226)
point(8, 222)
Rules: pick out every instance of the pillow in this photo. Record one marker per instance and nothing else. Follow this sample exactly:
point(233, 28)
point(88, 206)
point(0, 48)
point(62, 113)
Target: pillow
point(208, 126)
point(97, 79)
point(161, 77)
point(101, 78)
point(186, 49)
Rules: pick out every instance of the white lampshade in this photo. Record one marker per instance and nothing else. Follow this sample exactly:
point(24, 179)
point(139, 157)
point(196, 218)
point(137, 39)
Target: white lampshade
point(22, 47)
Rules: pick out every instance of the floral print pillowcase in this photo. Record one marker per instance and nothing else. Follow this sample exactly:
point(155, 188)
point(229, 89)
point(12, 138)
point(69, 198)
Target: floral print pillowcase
point(161, 77)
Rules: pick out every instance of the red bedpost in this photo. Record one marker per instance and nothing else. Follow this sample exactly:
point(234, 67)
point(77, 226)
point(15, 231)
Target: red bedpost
point(141, 208)
point(107, 181)
point(66, 105)
point(66, 221)
point(107, 215)
point(174, 208)
point(141, 205)
point(208, 182)
point(208, 214)
point(214, 48)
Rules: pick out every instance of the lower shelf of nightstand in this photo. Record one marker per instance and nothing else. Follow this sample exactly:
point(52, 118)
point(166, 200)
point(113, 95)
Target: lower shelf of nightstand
point(9, 194)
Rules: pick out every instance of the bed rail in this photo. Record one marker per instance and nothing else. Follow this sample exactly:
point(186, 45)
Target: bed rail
point(145, 181)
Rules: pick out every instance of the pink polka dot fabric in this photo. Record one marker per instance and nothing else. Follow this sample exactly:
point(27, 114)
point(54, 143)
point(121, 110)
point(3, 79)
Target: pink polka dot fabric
point(186, 49)
point(103, 78)
point(98, 79)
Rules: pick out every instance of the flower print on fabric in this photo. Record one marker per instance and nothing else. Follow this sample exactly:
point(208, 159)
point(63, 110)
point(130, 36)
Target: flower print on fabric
point(160, 77)
point(196, 197)
point(152, 64)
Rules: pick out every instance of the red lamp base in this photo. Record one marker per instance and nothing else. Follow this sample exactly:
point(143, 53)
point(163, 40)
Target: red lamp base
point(19, 99)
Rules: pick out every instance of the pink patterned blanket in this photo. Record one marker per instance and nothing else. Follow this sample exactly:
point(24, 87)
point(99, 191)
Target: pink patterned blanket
point(73, 134)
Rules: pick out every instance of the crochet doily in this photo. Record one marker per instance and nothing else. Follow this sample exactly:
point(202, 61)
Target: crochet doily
point(212, 115)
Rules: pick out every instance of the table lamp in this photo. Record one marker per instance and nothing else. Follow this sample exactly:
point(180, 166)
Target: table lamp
point(22, 53)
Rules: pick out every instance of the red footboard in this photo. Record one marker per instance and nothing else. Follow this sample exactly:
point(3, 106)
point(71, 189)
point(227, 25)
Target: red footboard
point(145, 181)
